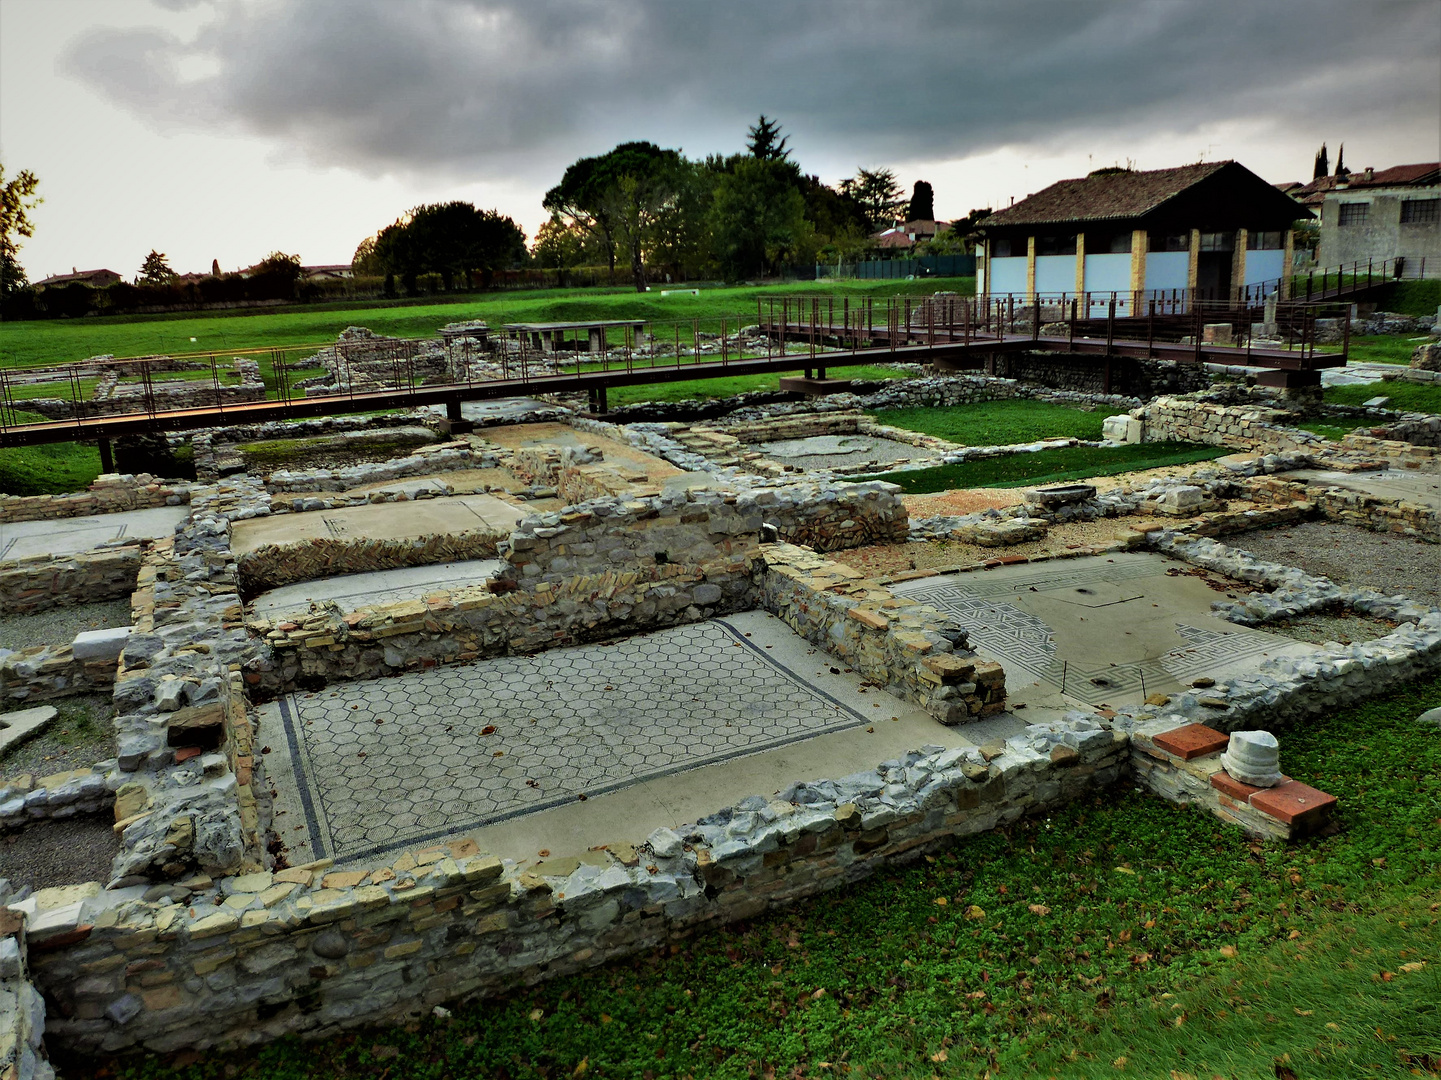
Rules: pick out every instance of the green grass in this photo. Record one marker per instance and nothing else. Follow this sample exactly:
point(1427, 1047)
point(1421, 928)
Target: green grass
point(994, 423)
point(1120, 937)
point(47, 470)
point(1414, 297)
point(57, 341)
point(1380, 348)
point(1406, 396)
point(1050, 466)
point(729, 386)
point(1334, 432)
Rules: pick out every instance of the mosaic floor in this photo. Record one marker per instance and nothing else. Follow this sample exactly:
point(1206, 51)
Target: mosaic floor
point(1145, 631)
point(374, 766)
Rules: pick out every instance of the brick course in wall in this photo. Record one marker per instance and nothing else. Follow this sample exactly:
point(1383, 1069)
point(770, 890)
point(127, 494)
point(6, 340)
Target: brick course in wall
point(41, 582)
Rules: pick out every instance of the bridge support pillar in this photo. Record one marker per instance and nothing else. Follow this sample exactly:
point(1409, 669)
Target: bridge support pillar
point(1288, 378)
point(454, 423)
point(597, 400)
point(814, 387)
point(107, 456)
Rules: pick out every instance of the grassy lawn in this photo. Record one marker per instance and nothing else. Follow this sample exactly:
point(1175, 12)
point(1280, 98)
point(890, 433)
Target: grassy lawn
point(1335, 432)
point(1407, 396)
point(1050, 466)
point(731, 385)
point(1380, 348)
point(995, 423)
point(57, 341)
point(47, 470)
point(1121, 937)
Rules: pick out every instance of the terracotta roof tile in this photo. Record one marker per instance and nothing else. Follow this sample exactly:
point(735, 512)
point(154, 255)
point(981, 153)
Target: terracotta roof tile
point(1108, 195)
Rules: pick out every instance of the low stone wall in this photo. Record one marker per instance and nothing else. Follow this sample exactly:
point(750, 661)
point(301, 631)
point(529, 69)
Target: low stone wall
point(1418, 429)
point(916, 652)
point(272, 565)
point(1250, 428)
point(447, 457)
point(182, 778)
point(108, 494)
point(1085, 373)
point(22, 1009)
point(312, 950)
point(115, 397)
point(26, 798)
point(1367, 511)
point(41, 582)
point(46, 672)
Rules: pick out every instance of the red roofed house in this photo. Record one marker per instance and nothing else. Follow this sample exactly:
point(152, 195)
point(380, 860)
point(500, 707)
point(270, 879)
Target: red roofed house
point(1383, 214)
point(1215, 227)
point(96, 279)
point(908, 234)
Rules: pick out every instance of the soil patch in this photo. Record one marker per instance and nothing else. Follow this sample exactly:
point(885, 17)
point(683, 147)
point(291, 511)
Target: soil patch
point(1349, 555)
point(58, 626)
point(50, 853)
point(79, 736)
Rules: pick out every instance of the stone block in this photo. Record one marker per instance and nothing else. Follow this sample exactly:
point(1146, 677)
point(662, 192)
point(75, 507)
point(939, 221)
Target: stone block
point(100, 644)
point(16, 727)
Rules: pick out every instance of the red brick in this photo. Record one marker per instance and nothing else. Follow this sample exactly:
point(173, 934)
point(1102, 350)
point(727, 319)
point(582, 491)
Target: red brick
point(1227, 784)
point(1192, 741)
point(1296, 804)
point(185, 753)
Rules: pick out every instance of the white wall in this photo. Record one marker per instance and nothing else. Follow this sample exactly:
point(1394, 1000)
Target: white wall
point(1263, 266)
point(1007, 275)
point(1108, 273)
point(1055, 274)
point(1167, 269)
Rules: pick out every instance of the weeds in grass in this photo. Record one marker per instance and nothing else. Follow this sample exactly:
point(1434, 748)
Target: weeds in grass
point(1406, 396)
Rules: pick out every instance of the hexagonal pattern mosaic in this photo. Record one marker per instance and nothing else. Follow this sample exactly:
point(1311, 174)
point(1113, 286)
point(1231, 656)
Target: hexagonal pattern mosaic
point(395, 761)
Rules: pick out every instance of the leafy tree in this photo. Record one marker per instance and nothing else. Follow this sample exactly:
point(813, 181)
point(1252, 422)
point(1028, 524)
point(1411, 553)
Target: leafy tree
point(878, 193)
point(923, 203)
point(763, 141)
point(155, 270)
point(17, 199)
point(558, 245)
point(365, 262)
point(454, 240)
point(623, 198)
point(758, 217)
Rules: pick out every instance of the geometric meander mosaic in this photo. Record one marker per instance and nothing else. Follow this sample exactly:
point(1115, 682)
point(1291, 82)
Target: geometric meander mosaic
point(1025, 643)
point(391, 762)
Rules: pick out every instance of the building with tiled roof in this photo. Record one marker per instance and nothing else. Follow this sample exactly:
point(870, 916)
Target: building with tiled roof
point(95, 278)
point(1215, 227)
point(1377, 216)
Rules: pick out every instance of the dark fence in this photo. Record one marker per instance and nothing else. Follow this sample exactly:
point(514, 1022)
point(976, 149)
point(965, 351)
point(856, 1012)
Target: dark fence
point(924, 266)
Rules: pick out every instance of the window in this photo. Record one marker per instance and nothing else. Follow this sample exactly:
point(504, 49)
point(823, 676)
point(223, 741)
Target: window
point(1056, 245)
point(1354, 213)
point(1420, 211)
point(1169, 242)
point(1265, 241)
point(1218, 241)
point(1002, 248)
point(1108, 243)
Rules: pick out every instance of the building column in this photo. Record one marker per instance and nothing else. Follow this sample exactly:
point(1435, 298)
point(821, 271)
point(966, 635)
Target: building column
point(1193, 270)
point(1238, 263)
point(1080, 263)
point(1030, 267)
point(1288, 252)
point(1140, 241)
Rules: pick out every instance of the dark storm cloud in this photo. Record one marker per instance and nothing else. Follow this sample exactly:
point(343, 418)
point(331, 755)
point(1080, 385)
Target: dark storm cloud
point(488, 87)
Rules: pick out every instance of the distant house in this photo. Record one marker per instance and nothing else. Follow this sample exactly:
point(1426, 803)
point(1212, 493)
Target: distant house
point(1217, 228)
point(334, 272)
point(906, 235)
point(1383, 214)
point(96, 279)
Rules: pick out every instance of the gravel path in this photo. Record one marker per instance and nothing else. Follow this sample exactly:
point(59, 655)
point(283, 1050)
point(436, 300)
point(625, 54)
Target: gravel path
point(58, 626)
point(1352, 556)
point(77, 738)
point(50, 853)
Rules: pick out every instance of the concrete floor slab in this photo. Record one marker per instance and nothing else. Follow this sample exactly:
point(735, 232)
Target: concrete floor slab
point(652, 730)
point(350, 591)
point(1421, 488)
point(1103, 630)
point(380, 521)
point(70, 536)
point(612, 451)
point(843, 451)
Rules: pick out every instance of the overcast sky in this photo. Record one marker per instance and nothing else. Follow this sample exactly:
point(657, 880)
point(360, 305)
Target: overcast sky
point(225, 129)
